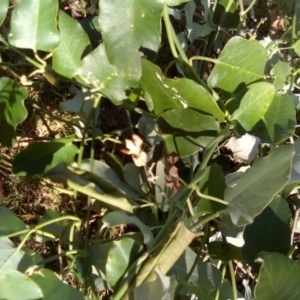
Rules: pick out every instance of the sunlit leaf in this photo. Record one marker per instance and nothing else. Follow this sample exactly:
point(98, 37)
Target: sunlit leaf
point(38, 31)
point(3, 10)
point(73, 41)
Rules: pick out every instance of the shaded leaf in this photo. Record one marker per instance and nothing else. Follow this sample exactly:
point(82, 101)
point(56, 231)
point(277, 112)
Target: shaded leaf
point(279, 121)
point(119, 217)
point(54, 288)
point(280, 71)
point(234, 68)
point(12, 109)
point(9, 222)
point(26, 289)
point(270, 232)
point(132, 175)
point(163, 287)
point(11, 258)
point(278, 279)
point(38, 31)
point(254, 104)
point(39, 158)
point(3, 10)
point(256, 188)
point(224, 251)
point(73, 41)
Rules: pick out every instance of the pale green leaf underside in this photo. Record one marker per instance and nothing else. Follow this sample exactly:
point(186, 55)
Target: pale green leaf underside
point(3, 10)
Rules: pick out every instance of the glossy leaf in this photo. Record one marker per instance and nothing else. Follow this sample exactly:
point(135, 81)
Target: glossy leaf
point(135, 24)
point(39, 158)
point(279, 121)
point(54, 288)
point(256, 188)
point(180, 93)
point(11, 258)
point(9, 222)
point(3, 10)
point(189, 120)
point(278, 279)
point(12, 109)
point(240, 63)
point(26, 289)
point(254, 104)
point(119, 217)
point(96, 70)
point(73, 41)
point(270, 232)
point(38, 31)
point(163, 287)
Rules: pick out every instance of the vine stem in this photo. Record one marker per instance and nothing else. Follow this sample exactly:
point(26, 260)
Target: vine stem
point(233, 282)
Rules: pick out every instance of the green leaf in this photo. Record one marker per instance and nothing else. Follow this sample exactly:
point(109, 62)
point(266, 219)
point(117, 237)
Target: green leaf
point(205, 274)
point(254, 104)
point(189, 120)
point(175, 2)
point(279, 121)
point(12, 109)
point(280, 71)
point(230, 17)
point(96, 70)
point(295, 175)
point(73, 41)
point(180, 93)
point(119, 257)
point(11, 258)
point(270, 232)
point(119, 217)
point(240, 63)
point(163, 287)
point(3, 10)
point(39, 158)
point(15, 285)
point(135, 24)
point(278, 279)
point(9, 222)
point(256, 188)
point(132, 175)
point(224, 251)
point(53, 288)
point(38, 31)
point(296, 47)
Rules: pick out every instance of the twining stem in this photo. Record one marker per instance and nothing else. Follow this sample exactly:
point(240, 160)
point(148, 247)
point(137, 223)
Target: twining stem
point(198, 192)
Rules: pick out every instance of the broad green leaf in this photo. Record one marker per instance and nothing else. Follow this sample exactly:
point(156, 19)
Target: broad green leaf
point(180, 93)
point(205, 274)
point(119, 217)
point(94, 186)
point(175, 2)
point(254, 104)
point(256, 188)
point(119, 257)
point(296, 47)
point(163, 287)
point(113, 258)
point(136, 23)
point(270, 232)
point(11, 258)
point(107, 174)
point(96, 70)
point(240, 63)
point(278, 279)
point(279, 121)
point(280, 71)
point(12, 109)
point(212, 184)
point(228, 18)
point(149, 130)
point(39, 158)
point(189, 120)
point(15, 285)
point(91, 27)
point(9, 222)
point(54, 288)
point(224, 251)
point(295, 175)
point(73, 41)
point(57, 229)
point(133, 176)
point(3, 10)
point(38, 30)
